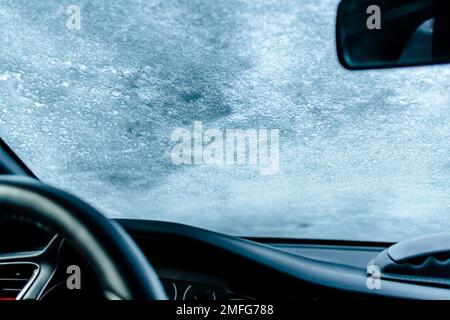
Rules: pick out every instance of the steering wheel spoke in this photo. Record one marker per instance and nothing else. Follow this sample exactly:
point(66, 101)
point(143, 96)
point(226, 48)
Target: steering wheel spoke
point(121, 267)
point(25, 275)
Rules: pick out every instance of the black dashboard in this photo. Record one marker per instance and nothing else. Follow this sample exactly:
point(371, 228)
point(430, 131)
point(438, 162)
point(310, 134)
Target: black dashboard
point(196, 264)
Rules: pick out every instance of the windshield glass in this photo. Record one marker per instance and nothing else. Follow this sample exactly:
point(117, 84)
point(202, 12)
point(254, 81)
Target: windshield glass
point(229, 115)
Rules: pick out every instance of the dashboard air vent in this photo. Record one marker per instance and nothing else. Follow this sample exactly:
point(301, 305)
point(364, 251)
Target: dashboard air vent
point(13, 279)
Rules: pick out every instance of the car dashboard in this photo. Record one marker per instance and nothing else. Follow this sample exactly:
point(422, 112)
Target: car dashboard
point(199, 265)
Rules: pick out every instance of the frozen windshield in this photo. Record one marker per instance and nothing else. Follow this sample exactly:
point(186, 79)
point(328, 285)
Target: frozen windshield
point(229, 115)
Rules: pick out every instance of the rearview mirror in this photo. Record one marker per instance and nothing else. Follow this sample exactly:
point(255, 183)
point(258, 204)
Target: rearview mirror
point(392, 33)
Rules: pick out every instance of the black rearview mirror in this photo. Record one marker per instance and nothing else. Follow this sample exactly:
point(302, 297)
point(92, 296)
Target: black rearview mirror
point(392, 33)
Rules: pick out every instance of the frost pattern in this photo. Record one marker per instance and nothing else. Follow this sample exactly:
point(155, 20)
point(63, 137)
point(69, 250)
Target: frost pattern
point(364, 155)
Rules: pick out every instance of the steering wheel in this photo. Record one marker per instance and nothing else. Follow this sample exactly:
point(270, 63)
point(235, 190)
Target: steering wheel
point(121, 267)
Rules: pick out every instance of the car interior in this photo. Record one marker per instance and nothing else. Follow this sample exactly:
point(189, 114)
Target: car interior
point(48, 234)
point(45, 230)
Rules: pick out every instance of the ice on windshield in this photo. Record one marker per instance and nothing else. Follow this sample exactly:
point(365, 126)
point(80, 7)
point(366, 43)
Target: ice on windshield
point(362, 155)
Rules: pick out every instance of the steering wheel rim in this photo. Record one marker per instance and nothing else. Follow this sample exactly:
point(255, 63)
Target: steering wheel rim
point(121, 267)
